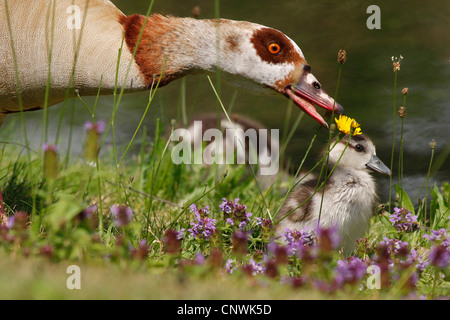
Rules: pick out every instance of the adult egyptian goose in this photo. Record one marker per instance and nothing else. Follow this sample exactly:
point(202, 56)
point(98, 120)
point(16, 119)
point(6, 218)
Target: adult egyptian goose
point(82, 40)
point(349, 196)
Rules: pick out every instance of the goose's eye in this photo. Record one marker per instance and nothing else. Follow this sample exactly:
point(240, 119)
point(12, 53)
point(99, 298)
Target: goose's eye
point(274, 48)
point(316, 85)
point(359, 148)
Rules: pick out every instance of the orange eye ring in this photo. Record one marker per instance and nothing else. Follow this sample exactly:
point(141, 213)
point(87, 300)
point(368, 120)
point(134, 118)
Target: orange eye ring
point(274, 48)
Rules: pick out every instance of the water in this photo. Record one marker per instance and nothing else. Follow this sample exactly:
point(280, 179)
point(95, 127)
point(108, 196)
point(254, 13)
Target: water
point(418, 32)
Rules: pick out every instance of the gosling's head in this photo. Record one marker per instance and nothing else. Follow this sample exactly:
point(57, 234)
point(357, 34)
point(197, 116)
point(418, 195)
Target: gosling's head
point(360, 154)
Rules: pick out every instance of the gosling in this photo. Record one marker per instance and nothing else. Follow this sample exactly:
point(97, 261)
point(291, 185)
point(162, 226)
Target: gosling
point(349, 198)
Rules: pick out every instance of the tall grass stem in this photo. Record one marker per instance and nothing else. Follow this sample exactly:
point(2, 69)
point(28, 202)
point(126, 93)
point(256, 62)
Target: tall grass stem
point(425, 201)
point(242, 144)
point(325, 164)
point(393, 140)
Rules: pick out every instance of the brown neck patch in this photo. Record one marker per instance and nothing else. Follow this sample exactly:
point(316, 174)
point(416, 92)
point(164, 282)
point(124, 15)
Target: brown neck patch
point(149, 55)
point(263, 37)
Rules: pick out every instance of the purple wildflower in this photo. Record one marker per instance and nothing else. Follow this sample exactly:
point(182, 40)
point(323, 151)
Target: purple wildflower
point(225, 207)
point(172, 241)
point(122, 215)
point(324, 286)
point(393, 255)
point(296, 240)
point(98, 127)
point(253, 268)
point(18, 221)
point(141, 252)
point(403, 220)
point(438, 237)
point(279, 252)
point(422, 263)
point(295, 282)
point(440, 251)
point(200, 259)
point(263, 222)
point(203, 227)
point(50, 148)
point(440, 256)
point(350, 271)
point(46, 251)
point(266, 228)
point(216, 258)
point(230, 266)
point(239, 241)
point(86, 215)
point(234, 213)
point(271, 268)
point(396, 247)
point(396, 252)
point(328, 238)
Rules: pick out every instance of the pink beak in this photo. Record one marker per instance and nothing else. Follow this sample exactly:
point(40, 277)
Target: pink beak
point(308, 92)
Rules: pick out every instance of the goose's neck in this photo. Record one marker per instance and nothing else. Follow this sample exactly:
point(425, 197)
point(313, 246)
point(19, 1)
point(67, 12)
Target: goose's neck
point(178, 45)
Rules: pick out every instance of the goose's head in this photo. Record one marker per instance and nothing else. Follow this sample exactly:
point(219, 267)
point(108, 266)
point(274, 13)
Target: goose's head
point(266, 60)
point(250, 56)
point(358, 154)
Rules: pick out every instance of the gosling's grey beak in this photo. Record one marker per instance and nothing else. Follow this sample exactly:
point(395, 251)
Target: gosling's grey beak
point(377, 165)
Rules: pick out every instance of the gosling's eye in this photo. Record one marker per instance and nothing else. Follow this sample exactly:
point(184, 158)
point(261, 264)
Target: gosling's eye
point(359, 148)
point(274, 48)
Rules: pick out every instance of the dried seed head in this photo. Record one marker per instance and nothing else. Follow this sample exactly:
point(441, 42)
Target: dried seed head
point(405, 91)
point(196, 11)
point(396, 62)
point(396, 66)
point(342, 56)
point(402, 112)
point(433, 144)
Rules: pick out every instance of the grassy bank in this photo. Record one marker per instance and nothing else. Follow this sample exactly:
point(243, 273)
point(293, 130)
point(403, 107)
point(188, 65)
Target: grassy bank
point(145, 231)
point(137, 225)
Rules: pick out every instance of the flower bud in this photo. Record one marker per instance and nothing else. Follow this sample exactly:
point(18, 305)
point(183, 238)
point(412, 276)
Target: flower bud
point(50, 161)
point(433, 144)
point(172, 242)
point(94, 130)
point(196, 11)
point(239, 240)
point(123, 215)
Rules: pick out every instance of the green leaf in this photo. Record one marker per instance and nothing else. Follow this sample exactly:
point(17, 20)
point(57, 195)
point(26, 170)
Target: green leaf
point(406, 201)
point(438, 209)
point(63, 211)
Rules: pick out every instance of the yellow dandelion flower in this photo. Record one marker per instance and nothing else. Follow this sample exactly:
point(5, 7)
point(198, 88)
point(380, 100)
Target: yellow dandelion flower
point(347, 125)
